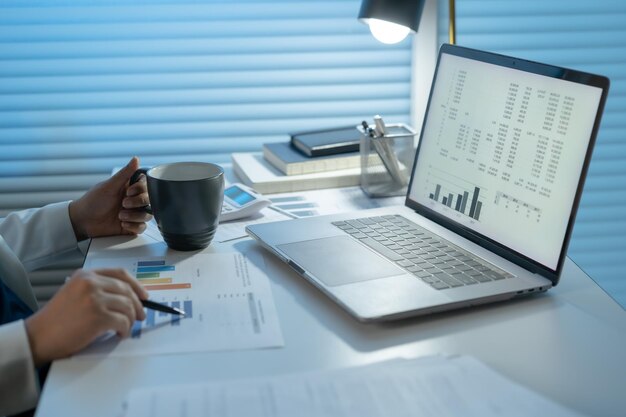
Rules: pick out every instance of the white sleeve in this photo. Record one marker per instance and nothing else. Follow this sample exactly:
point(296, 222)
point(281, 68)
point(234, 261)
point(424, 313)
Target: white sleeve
point(19, 384)
point(36, 235)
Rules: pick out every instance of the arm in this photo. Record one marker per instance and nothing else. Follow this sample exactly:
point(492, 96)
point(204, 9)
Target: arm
point(107, 209)
point(36, 235)
point(19, 386)
point(90, 303)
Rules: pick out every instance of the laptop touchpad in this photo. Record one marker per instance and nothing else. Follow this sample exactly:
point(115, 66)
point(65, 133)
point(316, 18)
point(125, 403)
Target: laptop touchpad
point(339, 260)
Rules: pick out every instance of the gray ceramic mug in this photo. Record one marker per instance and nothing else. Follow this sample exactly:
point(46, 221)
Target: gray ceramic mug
point(186, 200)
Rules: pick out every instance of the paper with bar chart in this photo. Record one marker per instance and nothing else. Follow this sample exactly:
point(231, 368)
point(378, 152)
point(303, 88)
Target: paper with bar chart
point(227, 299)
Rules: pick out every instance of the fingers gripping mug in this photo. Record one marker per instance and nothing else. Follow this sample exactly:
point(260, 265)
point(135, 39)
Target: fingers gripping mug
point(186, 200)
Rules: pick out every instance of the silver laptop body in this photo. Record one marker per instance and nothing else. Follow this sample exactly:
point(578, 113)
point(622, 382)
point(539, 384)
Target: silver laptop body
point(497, 179)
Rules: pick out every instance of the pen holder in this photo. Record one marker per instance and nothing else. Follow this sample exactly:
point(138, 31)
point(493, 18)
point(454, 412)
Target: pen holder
point(387, 161)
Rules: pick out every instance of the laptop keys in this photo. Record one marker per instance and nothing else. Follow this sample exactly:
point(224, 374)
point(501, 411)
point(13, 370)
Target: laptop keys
point(420, 273)
point(449, 280)
point(481, 278)
point(382, 249)
point(357, 224)
point(465, 279)
point(439, 285)
point(428, 257)
point(494, 275)
point(404, 263)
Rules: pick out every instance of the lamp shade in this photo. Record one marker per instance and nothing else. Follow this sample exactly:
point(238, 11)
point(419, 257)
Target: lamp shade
point(405, 13)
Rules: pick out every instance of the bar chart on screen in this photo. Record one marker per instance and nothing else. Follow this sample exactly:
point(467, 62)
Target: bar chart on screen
point(225, 294)
point(456, 193)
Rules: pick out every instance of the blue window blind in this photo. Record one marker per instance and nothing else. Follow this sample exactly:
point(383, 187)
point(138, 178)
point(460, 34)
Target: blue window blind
point(85, 85)
point(589, 36)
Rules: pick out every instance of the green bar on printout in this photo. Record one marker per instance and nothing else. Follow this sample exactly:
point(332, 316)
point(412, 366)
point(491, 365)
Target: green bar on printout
point(143, 275)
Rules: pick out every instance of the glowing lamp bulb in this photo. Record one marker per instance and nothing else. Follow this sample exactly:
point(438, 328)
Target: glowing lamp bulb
point(388, 32)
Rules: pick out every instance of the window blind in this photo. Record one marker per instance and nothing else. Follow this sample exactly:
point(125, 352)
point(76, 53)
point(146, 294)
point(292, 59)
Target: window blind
point(584, 35)
point(86, 85)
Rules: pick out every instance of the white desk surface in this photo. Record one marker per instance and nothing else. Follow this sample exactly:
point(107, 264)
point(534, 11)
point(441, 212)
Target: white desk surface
point(568, 344)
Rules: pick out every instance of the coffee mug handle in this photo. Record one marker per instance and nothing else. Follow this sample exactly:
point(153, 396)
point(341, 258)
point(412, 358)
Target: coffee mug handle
point(133, 179)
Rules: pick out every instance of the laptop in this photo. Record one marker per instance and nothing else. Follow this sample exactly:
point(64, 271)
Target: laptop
point(496, 182)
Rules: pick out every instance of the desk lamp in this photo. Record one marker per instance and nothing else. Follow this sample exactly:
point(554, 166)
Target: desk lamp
point(390, 21)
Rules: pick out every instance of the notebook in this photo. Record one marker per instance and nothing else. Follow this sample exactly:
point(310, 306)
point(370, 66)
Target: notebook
point(290, 161)
point(327, 141)
point(254, 171)
point(498, 174)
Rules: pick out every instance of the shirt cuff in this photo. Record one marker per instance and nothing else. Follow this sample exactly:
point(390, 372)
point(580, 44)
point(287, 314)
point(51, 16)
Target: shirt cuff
point(19, 385)
point(60, 226)
point(50, 234)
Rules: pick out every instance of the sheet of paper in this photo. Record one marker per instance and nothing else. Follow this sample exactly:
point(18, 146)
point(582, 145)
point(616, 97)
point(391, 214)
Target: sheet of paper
point(431, 386)
point(224, 294)
point(329, 201)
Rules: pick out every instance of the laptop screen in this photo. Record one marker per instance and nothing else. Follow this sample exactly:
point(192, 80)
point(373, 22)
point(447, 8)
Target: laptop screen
point(502, 152)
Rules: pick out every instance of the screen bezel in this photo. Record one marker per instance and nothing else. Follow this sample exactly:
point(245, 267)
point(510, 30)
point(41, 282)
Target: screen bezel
point(535, 68)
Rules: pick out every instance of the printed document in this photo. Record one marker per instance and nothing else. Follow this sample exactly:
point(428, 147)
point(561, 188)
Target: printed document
point(227, 299)
point(430, 386)
point(329, 201)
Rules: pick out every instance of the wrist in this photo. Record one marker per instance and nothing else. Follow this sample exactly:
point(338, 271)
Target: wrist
point(77, 223)
point(34, 333)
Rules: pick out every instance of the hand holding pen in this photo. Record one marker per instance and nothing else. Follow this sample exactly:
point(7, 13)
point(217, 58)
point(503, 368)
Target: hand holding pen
point(153, 305)
point(162, 307)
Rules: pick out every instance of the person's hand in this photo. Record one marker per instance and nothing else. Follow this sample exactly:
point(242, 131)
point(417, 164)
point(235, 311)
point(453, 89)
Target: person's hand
point(89, 304)
point(109, 208)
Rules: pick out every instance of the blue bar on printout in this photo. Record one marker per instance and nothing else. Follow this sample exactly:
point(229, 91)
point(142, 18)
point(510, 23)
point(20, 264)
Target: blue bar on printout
point(175, 318)
point(156, 268)
point(135, 332)
point(150, 263)
point(187, 308)
point(149, 317)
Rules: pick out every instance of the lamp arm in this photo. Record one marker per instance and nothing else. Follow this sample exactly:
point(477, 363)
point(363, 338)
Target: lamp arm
point(452, 21)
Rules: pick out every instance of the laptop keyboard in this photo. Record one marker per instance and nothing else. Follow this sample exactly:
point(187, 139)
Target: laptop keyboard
point(429, 257)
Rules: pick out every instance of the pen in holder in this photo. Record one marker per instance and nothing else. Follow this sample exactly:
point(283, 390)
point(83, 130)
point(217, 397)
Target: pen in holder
point(387, 155)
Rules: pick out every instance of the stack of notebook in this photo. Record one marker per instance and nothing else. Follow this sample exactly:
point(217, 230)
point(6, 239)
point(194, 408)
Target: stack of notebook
point(309, 160)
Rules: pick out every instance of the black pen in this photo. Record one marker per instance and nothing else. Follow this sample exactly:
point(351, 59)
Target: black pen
point(162, 307)
point(367, 129)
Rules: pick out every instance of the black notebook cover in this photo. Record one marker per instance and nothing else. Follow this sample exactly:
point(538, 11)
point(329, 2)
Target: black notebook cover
point(328, 141)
